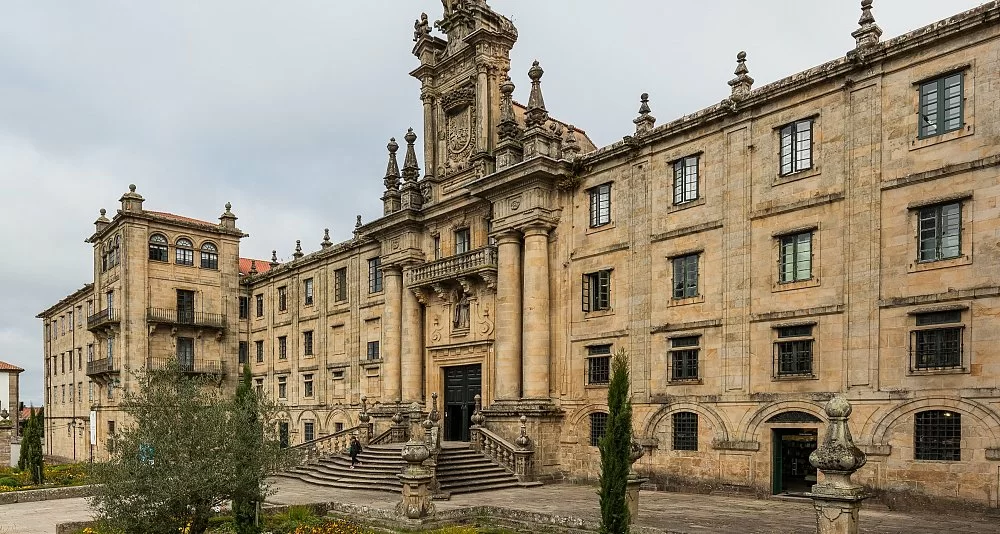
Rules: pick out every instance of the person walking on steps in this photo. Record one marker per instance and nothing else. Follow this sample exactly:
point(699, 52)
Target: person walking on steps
point(354, 450)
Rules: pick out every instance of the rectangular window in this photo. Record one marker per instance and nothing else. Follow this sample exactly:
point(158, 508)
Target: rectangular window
point(373, 353)
point(941, 105)
point(437, 247)
point(685, 180)
point(463, 241)
point(110, 350)
point(158, 248)
point(90, 352)
point(796, 147)
point(282, 387)
point(70, 361)
point(597, 291)
point(244, 307)
point(307, 385)
point(599, 364)
point(282, 298)
point(686, 276)
point(209, 256)
point(375, 275)
point(259, 349)
point(244, 352)
point(795, 257)
point(308, 290)
point(598, 427)
point(63, 389)
point(79, 316)
point(185, 353)
point(340, 284)
point(258, 385)
point(940, 231)
point(79, 391)
point(184, 256)
point(307, 343)
point(684, 358)
point(794, 350)
point(185, 306)
point(71, 393)
point(260, 304)
point(937, 435)
point(600, 205)
point(685, 430)
point(90, 391)
point(79, 359)
point(308, 431)
point(283, 347)
point(937, 348)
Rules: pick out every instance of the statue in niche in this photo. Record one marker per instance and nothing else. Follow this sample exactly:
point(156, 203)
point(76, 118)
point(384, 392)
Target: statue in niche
point(460, 321)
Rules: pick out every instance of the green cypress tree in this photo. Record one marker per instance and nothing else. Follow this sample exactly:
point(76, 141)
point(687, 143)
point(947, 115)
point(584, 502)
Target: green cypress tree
point(248, 490)
point(31, 458)
point(615, 447)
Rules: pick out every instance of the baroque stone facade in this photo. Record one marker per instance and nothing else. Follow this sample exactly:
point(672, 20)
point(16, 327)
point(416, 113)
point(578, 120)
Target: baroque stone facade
point(831, 232)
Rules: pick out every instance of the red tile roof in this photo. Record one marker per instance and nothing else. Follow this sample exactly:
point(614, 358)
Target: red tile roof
point(262, 265)
point(4, 366)
point(180, 218)
point(26, 413)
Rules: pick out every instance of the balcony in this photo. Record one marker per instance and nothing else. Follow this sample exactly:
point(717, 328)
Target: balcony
point(102, 366)
point(185, 318)
point(481, 262)
point(103, 318)
point(189, 366)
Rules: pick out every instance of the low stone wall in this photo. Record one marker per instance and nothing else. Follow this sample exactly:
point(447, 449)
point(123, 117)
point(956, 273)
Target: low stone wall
point(73, 527)
point(47, 494)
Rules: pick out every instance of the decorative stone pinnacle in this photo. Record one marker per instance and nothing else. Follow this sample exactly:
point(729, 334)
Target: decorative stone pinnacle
point(131, 188)
point(477, 415)
point(357, 224)
point(570, 145)
point(507, 127)
point(227, 217)
point(274, 258)
point(421, 28)
point(326, 243)
point(253, 267)
point(536, 114)
point(363, 417)
point(103, 212)
point(523, 442)
point(742, 83)
point(410, 168)
point(298, 249)
point(392, 168)
point(868, 34)
point(837, 457)
point(434, 415)
point(644, 122)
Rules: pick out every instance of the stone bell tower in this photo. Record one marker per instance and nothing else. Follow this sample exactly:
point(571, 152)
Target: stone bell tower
point(461, 76)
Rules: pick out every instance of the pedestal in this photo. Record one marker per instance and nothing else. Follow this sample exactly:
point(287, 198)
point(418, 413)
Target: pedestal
point(416, 501)
point(836, 515)
point(632, 497)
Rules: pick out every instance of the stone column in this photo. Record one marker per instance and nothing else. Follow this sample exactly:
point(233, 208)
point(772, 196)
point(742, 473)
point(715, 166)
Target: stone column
point(6, 435)
point(634, 482)
point(392, 278)
point(535, 366)
point(508, 317)
point(413, 349)
point(837, 499)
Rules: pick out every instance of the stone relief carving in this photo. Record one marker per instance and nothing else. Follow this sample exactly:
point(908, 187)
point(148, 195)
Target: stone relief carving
point(486, 324)
point(436, 328)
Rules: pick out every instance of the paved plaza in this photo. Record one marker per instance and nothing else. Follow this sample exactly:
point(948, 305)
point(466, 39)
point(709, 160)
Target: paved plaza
point(675, 512)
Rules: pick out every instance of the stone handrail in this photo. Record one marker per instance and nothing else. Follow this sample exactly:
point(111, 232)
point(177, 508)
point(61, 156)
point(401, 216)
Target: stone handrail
point(496, 448)
point(382, 439)
point(327, 445)
point(460, 264)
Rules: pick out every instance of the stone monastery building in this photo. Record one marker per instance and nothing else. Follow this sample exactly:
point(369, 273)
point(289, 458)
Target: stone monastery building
point(834, 231)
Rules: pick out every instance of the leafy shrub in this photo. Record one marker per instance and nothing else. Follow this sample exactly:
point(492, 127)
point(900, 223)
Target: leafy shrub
point(8, 481)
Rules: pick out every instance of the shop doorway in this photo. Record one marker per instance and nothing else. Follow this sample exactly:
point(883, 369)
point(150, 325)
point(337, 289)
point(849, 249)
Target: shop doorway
point(792, 472)
point(461, 385)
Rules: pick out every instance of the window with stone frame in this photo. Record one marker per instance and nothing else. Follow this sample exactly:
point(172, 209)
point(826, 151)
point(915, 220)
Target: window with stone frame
point(244, 303)
point(936, 341)
point(796, 142)
point(259, 301)
point(685, 431)
point(942, 105)
point(282, 298)
point(600, 205)
point(436, 245)
point(258, 384)
point(685, 180)
point(375, 275)
point(282, 347)
point(937, 435)
point(684, 358)
point(184, 252)
point(307, 342)
point(209, 256)
point(599, 365)
point(795, 257)
point(793, 351)
point(244, 354)
point(598, 427)
point(307, 385)
point(597, 291)
point(307, 292)
point(939, 232)
point(308, 430)
point(158, 248)
point(282, 387)
point(685, 276)
point(463, 241)
point(259, 349)
point(340, 284)
point(373, 350)
point(185, 353)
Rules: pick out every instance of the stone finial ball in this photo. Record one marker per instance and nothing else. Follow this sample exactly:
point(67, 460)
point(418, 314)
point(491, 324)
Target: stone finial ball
point(866, 3)
point(644, 97)
point(838, 407)
point(103, 212)
point(410, 136)
point(742, 56)
point(229, 206)
point(131, 188)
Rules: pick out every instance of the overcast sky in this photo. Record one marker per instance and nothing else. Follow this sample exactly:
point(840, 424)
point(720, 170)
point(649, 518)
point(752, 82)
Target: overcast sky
point(284, 108)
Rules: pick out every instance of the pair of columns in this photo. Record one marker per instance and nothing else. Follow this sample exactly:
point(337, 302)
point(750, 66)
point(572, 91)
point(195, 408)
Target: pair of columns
point(403, 370)
point(522, 316)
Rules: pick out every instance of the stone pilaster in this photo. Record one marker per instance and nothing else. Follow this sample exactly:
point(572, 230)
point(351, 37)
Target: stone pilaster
point(508, 315)
point(535, 367)
point(413, 348)
point(391, 332)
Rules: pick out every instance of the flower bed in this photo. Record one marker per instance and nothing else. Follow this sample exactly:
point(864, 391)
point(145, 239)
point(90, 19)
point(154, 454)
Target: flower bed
point(55, 476)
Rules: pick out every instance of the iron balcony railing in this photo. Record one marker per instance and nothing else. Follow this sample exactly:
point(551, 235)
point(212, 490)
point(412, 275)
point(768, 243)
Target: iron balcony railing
point(103, 317)
point(185, 317)
point(189, 365)
point(104, 365)
point(474, 261)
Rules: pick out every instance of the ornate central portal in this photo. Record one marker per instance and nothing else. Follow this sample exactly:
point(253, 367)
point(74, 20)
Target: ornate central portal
point(462, 384)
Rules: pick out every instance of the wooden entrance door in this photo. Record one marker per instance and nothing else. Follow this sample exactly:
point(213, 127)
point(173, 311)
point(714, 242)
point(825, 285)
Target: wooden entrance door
point(461, 385)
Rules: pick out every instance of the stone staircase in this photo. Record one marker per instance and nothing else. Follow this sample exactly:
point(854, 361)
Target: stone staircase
point(459, 470)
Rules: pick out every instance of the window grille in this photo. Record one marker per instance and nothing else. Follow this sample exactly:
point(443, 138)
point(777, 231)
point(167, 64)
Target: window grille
point(937, 435)
point(599, 364)
point(598, 427)
point(685, 431)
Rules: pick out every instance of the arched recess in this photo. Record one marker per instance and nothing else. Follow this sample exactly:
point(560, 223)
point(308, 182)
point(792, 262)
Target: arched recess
point(985, 418)
point(311, 416)
point(767, 412)
point(719, 423)
point(579, 422)
point(341, 414)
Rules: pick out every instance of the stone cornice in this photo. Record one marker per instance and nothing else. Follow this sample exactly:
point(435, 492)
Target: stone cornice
point(540, 169)
point(123, 216)
point(349, 247)
point(73, 297)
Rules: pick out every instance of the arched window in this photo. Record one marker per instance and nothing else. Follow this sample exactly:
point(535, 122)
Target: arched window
point(104, 256)
point(937, 435)
point(117, 251)
point(598, 426)
point(158, 248)
point(685, 431)
point(184, 252)
point(209, 256)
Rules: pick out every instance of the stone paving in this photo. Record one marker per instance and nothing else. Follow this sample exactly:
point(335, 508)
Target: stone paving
point(678, 512)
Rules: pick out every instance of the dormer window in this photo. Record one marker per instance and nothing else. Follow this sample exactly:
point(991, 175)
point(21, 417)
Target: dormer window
point(209, 256)
point(185, 252)
point(158, 248)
